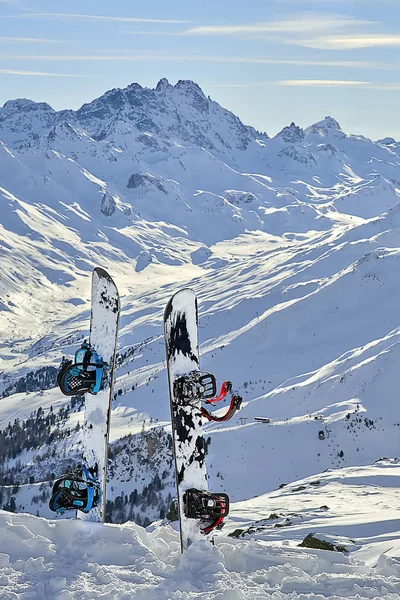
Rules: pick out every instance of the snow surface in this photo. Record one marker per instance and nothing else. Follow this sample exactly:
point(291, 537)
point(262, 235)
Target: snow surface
point(65, 560)
point(292, 245)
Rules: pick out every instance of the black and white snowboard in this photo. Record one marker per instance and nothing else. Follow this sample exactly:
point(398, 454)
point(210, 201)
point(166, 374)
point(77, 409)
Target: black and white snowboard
point(182, 351)
point(104, 321)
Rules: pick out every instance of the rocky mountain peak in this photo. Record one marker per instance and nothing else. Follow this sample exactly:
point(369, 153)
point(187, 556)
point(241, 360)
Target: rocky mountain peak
point(24, 105)
point(292, 134)
point(188, 86)
point(327, 126)
point(122, 115)
point(134, 87)
point(387, 141)
point(65, 131)
point(163, 84)
point(328, 123)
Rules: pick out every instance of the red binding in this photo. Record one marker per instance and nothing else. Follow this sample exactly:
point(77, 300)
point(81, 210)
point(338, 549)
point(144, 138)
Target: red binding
point(217, 524)
point(225, 388)
point(234, 405)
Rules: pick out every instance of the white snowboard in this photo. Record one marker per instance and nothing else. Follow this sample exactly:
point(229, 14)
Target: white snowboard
point(182, 349)
point(104, 322)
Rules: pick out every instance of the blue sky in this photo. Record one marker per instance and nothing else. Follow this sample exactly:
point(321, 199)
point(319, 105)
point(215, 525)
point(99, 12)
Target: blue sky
point(269, 61)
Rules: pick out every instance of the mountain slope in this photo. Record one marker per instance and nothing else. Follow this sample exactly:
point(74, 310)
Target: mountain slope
point(291, 243)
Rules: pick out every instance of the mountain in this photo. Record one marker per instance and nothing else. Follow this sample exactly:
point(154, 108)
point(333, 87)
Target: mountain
point(291, 244)
point(136, 116)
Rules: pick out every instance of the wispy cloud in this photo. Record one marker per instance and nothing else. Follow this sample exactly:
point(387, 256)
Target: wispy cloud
point(296, 82)
point(330, 83)
point(305, 22)
point(92, 17)
point(322, 83)
point(38, 73)
point(338, 83)
point(319, 2)
point(349, 42)
point(5, 40)
point(386, 86)
point(200, 58)
point(137, 32)
point(301, 2)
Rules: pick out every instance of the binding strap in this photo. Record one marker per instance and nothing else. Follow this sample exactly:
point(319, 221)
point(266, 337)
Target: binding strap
point(234, 406)
point(221, 507)
point(82, 375)
point(78, 490)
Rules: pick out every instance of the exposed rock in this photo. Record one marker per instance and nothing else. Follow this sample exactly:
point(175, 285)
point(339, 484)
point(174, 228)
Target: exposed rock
point(108, 205)
point(145, 179)
point(291, 134)
point(238, 198)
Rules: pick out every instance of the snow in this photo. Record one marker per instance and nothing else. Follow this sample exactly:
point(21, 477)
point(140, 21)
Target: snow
point(291, 245)
point(61, 559)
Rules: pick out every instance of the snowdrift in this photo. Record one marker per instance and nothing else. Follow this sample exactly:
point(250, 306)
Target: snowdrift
point(66, 560)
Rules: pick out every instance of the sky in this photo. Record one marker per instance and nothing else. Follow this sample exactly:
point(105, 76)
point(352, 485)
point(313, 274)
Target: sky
point(270, 62)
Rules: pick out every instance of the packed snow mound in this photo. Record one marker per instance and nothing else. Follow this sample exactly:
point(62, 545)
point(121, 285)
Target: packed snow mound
point(258, 555)
point(338, 502)
point(143, 261)
point(201, 255)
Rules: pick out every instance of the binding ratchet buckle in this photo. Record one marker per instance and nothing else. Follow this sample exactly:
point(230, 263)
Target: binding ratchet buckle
point(194, 386)
point(210, 508)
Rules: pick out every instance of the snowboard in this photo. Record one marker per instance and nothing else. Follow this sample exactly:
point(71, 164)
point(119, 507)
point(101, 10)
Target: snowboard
point(182, 354)
point(104, 321)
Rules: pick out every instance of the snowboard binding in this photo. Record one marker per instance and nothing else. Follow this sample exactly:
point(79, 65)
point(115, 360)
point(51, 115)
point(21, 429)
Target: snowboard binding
point(210, 508)
point(202, 385)
point(195, 385)
point(234, 406)
point(75, 491)
point(83, 375)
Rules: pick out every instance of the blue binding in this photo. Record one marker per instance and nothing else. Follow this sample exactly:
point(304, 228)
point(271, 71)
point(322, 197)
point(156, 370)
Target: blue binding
point(81, 364)
point(95, 361)
point(86, 504)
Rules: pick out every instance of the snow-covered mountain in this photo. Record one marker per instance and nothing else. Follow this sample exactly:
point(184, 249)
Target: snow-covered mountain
point(292, 244)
